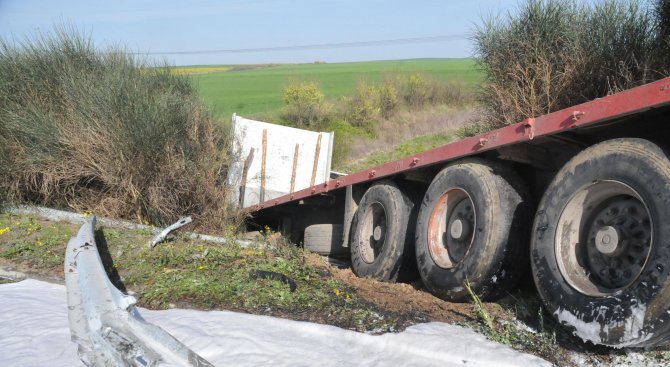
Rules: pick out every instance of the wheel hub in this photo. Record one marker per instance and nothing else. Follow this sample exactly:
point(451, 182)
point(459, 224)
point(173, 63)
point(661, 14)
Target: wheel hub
point(377, 233)
point(374, 232)
point(458, 229)
point(451, 228)
point(605, 238)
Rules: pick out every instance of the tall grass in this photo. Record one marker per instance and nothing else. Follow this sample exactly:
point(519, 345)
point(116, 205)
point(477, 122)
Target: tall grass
point(551, 54)
point(104, 131)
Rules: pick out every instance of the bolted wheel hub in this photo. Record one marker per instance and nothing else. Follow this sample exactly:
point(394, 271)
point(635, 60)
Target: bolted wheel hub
point(618, 241)
point(606, 238)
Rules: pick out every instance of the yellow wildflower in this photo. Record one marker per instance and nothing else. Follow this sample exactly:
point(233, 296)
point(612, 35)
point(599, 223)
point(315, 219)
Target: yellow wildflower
point(3, 230)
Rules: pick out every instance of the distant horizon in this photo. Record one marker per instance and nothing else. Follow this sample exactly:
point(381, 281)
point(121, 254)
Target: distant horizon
point(253, 32)
point(328, 62)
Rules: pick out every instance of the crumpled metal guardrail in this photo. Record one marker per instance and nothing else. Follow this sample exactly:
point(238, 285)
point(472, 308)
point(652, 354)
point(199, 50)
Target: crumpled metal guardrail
point(105, 323)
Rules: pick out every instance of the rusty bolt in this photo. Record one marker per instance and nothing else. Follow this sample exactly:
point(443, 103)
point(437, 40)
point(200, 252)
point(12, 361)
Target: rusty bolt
point(483, 141)
point(415, 160)
point(372, 173)
point(338, 183)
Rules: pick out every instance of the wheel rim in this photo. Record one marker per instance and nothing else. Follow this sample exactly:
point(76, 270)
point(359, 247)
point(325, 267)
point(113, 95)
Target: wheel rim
point(373, 232)
point(603, 238)
point(451, 228)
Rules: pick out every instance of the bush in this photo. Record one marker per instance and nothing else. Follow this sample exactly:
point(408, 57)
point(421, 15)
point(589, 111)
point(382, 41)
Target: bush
point(415, 90)
point(102, 131)
point(388, 99)
point(552, 54)
point(363, 109)
point(305, 104)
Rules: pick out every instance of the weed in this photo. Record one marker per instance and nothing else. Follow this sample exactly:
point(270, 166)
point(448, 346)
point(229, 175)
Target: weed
point(480, 311)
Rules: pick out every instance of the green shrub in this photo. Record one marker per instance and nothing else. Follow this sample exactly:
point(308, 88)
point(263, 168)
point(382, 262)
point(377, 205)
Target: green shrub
point(552, 54)
point(102, 131)
point(415, 90)
point(363, 109)
point(305, 104)
point(388, 99)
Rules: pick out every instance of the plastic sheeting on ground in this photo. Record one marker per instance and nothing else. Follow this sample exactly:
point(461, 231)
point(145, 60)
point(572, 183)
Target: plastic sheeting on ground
point(34, 332)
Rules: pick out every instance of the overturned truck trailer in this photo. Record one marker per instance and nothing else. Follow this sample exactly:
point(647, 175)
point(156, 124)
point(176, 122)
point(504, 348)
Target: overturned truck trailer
point(579, 199)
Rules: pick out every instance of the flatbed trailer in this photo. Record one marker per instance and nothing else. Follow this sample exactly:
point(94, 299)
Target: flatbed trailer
point(579, 198)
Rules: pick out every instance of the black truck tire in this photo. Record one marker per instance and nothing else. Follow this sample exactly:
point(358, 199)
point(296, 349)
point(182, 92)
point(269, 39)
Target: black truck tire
point(325, 239)
point(473, 228)
point(380, 236)
point(600, 250)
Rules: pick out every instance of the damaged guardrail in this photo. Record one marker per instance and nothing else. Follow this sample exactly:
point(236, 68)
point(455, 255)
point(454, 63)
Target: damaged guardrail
point(105, 323)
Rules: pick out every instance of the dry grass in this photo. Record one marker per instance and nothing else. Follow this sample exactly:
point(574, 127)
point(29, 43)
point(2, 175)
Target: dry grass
point(101, 131)
point(411, 124)
point(552, 54)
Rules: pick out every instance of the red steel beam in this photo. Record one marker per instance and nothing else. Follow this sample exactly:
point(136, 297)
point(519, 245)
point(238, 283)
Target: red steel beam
point(628, 102)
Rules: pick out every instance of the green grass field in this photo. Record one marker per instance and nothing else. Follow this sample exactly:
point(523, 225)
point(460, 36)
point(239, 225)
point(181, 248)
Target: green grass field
point(258, 92)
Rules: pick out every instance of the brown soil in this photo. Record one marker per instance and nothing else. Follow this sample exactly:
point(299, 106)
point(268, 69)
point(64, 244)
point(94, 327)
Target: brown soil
point(404, 298)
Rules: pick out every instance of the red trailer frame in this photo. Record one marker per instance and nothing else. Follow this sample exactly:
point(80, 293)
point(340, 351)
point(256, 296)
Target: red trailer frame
point(629, 102)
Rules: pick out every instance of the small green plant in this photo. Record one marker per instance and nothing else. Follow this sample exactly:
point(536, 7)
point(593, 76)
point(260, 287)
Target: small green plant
point(480, 310)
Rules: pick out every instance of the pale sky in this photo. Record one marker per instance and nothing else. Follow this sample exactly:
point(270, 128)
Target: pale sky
point(262, 31)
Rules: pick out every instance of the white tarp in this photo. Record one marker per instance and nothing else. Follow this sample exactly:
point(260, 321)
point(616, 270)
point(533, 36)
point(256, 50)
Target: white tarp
point(34, 332)
point(281, 144)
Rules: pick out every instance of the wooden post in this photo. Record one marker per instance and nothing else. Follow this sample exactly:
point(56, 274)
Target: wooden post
point(245, 173)
point(316, 159)
point(263, 159)
point(295, 167)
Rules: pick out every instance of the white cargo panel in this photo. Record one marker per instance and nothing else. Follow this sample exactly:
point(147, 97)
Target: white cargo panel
point(273, 160)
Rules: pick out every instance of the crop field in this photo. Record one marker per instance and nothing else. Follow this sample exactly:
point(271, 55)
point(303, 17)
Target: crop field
point(195, 70)
point(254, 91)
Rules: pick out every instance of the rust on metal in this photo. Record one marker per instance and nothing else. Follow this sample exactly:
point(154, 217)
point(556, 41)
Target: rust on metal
point(263, 160)
point(316, 159)
point(245, 173)
point(415, 161)
point(372, 173)
point(483, 141)
point(295, 167)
